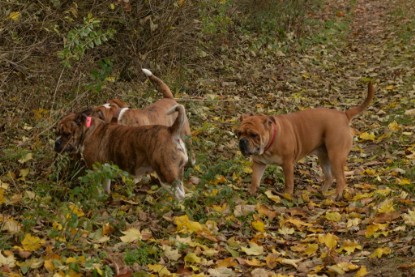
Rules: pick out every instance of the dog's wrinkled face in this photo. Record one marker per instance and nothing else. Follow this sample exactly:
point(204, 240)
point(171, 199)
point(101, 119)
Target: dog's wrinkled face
point(68, 133)
point(253, 133)
point(107, 111)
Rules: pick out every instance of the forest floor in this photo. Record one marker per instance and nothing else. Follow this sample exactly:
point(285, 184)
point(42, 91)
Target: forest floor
point(221, 230)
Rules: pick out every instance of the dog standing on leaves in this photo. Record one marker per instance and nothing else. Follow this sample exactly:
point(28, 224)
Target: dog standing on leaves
point(284, 139)
point(137, 150)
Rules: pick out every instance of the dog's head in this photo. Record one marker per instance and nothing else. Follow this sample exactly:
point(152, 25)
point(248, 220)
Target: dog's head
point(254, 133)
point(69, 132)
point(109, 110)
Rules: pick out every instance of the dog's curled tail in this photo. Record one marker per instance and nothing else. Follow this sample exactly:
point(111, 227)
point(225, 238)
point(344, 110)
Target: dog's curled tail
point(178, 124)
point(160, 85)
point(358, 109)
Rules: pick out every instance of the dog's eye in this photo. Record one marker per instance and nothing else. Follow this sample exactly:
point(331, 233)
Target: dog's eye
point(254, 136)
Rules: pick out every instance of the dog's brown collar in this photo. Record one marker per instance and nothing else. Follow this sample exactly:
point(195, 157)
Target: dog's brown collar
point(274, 135)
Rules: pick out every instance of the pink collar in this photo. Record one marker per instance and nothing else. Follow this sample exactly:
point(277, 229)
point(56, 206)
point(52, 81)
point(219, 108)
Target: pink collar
point(274, 134)
point(88, 121)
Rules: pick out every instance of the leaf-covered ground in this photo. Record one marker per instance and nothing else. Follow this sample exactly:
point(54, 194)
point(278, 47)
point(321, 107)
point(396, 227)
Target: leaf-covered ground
point(53, 229)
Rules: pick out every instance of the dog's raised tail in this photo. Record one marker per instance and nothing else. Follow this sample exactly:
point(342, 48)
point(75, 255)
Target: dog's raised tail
point(350, 113)
point(160, 85)
point(178, 124)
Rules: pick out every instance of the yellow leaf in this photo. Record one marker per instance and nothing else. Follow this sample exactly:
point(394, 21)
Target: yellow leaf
point(220, 208)
point(192, 258)
point(32, 243)
point(8, 260)
point(372, 229)
point(264, 210)
point(367, 136)
point(247, 169)
point(131, 234)
point(10, 225)
point(161, 270)
point(171, 254)
point(394, 126)
point(219, 179)
point(23, 173)
point(333, 216)
point(185, 225)
point(298, 223)
point(284, 230)
point(15, 16)
point(369, 172)
point(50, 267)
point(57, 226)
point(329, 240)
point(361, 272)
point(76, 210)
point(386, 206)
point(273, 197)
point(2, 199)
point(311, 249)
point(227, 262)
point(253, 250)
point(258, 225)
point(26, 158)
point(379, 252)
point(342, 268)
point(409, 218)
point(390, 87)
point(350, 246)
point(404, 181)
point(40, 113)
point(253, 262)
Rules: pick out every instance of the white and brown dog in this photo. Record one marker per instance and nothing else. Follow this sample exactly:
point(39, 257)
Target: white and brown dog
point(284, 139)
point(155, 114)
point(138, 150)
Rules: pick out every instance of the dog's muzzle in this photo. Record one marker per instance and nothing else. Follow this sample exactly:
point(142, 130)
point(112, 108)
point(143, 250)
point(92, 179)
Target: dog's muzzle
point(58, 146)
point(244, 146)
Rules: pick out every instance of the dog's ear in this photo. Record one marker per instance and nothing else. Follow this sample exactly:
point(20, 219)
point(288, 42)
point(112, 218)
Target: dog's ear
point(244, 116)
point(118, 103)
point(269, 120)
point(81, 117)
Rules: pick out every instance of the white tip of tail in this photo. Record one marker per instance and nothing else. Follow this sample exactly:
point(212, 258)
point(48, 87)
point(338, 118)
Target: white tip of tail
point(147, 72)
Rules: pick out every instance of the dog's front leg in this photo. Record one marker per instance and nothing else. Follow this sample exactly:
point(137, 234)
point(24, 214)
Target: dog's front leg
point(288, 168)
point(257, 172)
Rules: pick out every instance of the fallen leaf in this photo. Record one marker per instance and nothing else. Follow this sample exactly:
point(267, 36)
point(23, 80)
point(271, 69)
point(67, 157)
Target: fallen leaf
point(7, 260)
point(131, 234)
point(329, 240)
point(409, 218)
point(253, 250)
point(32, 243)
point(379, 252)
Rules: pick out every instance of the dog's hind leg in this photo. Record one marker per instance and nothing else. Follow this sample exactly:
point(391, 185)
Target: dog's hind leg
point(324, 162)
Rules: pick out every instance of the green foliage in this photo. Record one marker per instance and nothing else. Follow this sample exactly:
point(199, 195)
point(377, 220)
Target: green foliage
point(91, 192)
point(215, 17)
point(100, 75)
point(87, 36)
point(142, 254)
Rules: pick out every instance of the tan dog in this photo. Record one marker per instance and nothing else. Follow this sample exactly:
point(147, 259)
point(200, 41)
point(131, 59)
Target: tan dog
point(284, 139)
point(155, 114)
point(137, 150)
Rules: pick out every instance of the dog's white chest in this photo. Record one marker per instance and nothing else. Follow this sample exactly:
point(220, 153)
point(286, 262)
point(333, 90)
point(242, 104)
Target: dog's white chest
point(268, 159)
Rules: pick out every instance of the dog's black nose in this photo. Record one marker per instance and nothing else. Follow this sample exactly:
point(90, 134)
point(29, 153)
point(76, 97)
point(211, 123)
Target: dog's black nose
point(58, 146)
point(243, 146)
